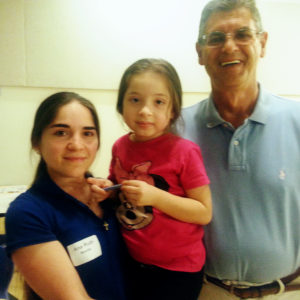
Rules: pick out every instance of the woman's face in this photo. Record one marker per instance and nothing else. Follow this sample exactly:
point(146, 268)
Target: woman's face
point(70, 143)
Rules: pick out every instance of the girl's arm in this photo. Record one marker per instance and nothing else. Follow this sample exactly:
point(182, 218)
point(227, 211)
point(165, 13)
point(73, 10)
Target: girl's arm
point(49, 272)
point(195, 208)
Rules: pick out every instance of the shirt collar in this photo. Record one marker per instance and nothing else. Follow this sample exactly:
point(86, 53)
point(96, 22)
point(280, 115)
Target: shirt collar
point(262, 108)
point(45, 183)
point(213, 117)
point(259, 115)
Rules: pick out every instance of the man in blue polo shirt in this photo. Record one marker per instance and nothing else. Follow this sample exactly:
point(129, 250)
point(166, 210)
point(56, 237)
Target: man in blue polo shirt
point(250, 141)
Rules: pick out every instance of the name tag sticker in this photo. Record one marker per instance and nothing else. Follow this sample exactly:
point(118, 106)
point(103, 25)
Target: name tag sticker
point(85, 250)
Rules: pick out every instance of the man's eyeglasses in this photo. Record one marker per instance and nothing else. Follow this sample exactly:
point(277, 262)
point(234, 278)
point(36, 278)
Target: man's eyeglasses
point(242, 36)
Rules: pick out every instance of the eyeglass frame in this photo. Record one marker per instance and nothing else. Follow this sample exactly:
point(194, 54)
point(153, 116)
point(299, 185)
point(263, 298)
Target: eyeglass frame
point(203, 38)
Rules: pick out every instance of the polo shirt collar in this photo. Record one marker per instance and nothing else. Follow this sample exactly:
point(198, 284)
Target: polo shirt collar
point(262, 108)
point(45, 183)
point(53, 191)
point(213, 117)
point(259, 115)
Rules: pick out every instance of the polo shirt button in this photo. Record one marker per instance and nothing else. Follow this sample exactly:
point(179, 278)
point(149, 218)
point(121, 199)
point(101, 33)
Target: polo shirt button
point(236, 142)
point(210, 125)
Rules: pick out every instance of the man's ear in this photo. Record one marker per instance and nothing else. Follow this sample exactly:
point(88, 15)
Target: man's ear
point(263, 43)
point(199, 51)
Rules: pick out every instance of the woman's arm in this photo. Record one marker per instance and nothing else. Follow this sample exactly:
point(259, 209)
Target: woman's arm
point(48, 270)
point(195, 208)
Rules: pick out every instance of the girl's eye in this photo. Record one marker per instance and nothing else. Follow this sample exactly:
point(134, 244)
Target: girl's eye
point(134, 100)
point(160, 102)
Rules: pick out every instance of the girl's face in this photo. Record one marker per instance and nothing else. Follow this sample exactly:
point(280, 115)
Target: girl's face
point(70, 143)
point(147, 106)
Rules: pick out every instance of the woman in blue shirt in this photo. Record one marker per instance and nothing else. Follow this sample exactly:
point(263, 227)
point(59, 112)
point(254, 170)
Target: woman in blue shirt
point(65, 244)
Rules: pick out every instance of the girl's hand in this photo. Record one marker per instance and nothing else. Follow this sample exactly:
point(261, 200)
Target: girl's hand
point(195, 207)
point(140, 193)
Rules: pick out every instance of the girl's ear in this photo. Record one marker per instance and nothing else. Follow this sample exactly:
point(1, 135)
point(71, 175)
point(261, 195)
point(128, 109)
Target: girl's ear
point(172, 115)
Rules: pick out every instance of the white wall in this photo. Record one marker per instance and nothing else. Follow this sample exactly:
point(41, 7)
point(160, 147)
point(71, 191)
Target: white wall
point(88, 44)
point(52, 45)
point(18, 106)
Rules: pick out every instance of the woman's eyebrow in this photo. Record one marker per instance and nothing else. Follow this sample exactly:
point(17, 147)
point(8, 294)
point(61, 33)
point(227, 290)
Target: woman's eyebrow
point(133, 93)
point(59, 125)
point(89, 127)
point(67, 126)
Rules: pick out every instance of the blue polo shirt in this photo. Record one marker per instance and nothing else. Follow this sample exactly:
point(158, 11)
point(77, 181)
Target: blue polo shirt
point(46, 213)
point(255, 181)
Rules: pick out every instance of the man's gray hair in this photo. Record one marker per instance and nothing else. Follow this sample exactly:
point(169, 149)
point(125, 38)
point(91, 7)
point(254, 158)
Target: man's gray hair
point(227, 5)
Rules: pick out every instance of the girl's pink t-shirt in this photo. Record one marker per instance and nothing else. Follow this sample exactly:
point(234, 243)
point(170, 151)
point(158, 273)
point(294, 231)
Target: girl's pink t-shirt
point(173, 164)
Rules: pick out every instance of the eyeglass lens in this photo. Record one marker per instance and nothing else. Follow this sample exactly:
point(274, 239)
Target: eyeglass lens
point(241, 36)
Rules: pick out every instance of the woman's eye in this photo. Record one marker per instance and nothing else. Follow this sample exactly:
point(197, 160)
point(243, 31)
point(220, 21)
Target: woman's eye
point(60, 133)
point(89, 133)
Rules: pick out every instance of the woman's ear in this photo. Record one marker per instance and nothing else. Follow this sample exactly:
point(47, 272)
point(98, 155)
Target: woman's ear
point(36, 149)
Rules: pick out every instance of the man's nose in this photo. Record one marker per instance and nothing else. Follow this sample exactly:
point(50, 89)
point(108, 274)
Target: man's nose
point(229, 43)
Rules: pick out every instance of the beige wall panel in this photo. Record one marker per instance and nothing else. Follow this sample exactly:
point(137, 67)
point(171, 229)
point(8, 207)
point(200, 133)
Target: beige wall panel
point(12, 50)
point(85, 45)
point(279, 69)
point(18, 106)
point(65, 45)
point(88, 44)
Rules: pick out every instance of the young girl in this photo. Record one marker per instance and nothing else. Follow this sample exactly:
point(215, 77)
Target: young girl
point(165, 196)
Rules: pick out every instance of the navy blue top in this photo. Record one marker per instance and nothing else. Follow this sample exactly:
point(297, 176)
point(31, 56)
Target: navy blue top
point(46, 213)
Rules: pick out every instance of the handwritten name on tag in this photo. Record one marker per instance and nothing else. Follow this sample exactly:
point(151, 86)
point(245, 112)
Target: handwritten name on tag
point(85, 250)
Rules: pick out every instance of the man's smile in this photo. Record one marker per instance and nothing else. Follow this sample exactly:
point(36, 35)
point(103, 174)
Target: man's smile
point(232, 62)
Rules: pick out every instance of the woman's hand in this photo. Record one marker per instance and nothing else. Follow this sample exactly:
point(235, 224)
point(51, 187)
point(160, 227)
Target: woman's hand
point(97, 185)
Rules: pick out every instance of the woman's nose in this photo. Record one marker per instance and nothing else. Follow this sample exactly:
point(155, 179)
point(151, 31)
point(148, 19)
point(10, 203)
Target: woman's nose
point(75, 142)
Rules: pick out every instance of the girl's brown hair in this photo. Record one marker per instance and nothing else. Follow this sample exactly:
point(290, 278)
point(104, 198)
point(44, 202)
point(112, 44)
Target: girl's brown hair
point(159, 66)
